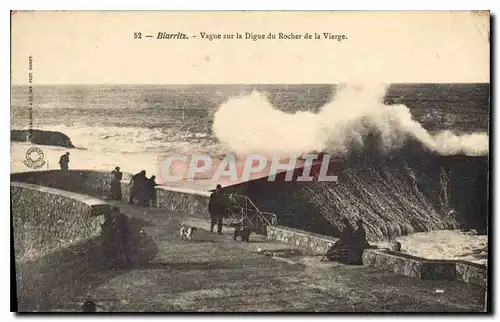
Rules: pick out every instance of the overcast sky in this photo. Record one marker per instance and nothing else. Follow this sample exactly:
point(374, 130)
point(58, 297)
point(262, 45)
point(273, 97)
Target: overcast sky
point(99, 48)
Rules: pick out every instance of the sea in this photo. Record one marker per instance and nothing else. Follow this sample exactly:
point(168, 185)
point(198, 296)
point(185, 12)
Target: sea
point(135, 126)
point(412, 190)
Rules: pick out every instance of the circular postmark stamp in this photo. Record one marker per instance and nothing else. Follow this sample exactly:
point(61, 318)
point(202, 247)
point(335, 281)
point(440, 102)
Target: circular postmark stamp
point(34, 158)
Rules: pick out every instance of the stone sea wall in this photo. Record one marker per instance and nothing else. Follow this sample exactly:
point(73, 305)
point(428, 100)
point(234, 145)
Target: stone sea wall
point(311, 243)
point(55, 237)
point(426, 269)
point(471, 273)
point(396, 262)
point(408, 265)
point(34, 200)
point(96, 183)
point(192, 202)
point(45, 219)
point(43, 282)
point(189, 201)
point(402, 192)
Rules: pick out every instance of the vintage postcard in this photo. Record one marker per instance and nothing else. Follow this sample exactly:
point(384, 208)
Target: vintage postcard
point(250, 161)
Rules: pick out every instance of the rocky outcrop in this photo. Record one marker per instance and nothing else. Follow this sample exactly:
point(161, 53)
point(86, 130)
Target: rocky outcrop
point(41, 137)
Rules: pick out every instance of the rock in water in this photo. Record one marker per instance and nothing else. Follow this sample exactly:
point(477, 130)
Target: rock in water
point(41, 137)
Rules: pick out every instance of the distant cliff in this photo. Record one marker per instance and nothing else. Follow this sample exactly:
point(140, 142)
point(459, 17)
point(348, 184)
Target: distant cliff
point(41, 137)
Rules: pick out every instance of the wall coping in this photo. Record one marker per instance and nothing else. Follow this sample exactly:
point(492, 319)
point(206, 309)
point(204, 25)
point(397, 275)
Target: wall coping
point(384, 251)
point(414, 266)
point(425, 259)
point(184, 190)
point(400, 256)
point(92, 202)
point(125, 174)
point(304, 233)
point(477, 265)
point(177, 189)
point(421, 262)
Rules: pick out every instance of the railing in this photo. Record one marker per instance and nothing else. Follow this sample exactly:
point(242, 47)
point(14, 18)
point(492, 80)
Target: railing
point(244, 211)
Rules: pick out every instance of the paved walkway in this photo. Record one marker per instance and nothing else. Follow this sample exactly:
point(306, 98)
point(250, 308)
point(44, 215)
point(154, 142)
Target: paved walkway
point(215, 273)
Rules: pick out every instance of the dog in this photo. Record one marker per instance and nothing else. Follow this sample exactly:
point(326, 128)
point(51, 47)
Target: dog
point(243, 233)
point(187, 232)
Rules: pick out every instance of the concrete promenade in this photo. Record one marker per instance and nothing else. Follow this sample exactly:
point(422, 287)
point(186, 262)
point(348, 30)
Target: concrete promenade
point(213, 273)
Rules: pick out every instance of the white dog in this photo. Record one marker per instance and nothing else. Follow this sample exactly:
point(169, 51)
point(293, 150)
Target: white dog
point(187, 232)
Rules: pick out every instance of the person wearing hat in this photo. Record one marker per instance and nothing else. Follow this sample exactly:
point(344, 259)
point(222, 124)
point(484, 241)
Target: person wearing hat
point(64, 161)
point(345, 242)
point(351, 244)
point(216, 208)
point(116, 189)
point(136, 185)
point(150, 192)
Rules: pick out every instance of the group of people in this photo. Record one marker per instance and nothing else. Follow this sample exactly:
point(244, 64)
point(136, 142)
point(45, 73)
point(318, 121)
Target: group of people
point(142, 189)
point(352, 240)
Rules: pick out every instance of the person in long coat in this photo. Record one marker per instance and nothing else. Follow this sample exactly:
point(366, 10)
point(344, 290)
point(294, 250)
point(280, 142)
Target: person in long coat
point(136, 185)
point(116, 189)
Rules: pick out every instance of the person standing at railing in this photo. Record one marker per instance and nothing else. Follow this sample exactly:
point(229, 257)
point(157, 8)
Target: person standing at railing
point(116, 189)
point(136, 185)
point(150, 191)
point(64, 161)
point(217, 207)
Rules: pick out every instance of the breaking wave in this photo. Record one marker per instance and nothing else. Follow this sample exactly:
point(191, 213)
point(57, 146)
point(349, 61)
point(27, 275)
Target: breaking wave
point(392, 173)
point(356, 114)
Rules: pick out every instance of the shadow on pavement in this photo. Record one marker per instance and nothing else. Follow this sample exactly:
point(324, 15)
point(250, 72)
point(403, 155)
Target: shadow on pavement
point(69, 272)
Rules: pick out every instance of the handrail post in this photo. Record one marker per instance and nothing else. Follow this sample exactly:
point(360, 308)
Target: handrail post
point(257, 219)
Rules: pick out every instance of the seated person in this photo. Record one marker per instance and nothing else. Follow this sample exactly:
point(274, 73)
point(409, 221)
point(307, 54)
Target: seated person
point(346, 240)
point(347, 235)
point(360, 236)
point(349, 248)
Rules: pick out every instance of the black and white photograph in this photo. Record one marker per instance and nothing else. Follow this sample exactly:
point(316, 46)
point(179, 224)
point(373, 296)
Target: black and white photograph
point(245, 161)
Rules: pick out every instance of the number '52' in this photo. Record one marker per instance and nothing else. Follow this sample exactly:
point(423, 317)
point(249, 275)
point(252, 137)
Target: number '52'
point(137, 35)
